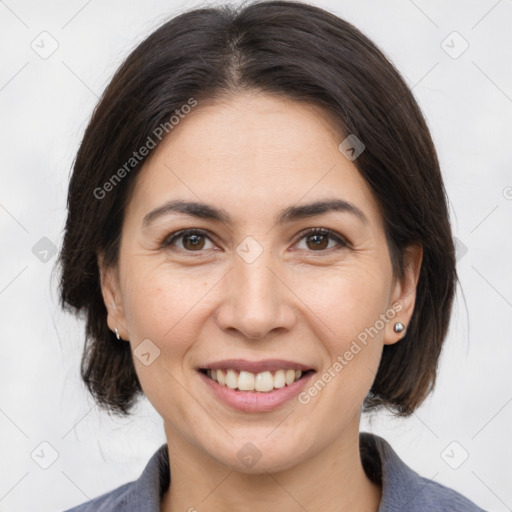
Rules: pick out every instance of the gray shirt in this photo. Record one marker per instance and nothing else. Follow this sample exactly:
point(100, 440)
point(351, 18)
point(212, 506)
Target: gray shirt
point(402, 488)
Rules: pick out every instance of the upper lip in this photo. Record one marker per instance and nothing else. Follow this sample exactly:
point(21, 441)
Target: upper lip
point(256, 366)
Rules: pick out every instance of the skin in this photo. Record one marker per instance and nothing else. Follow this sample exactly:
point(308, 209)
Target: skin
point(253, 155)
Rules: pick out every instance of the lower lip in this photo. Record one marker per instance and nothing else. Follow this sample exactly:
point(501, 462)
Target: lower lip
point(253, 401)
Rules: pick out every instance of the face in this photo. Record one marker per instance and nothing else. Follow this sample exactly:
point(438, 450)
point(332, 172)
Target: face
point(254, 285)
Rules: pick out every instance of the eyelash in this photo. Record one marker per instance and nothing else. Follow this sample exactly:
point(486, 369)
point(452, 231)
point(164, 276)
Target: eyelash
point(170, 239)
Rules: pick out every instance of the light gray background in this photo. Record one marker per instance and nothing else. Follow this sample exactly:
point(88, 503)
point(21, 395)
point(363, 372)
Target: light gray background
point(45, 105)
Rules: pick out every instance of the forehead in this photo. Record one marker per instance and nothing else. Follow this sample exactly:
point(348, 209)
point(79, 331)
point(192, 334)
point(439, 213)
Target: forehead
point(253, 154)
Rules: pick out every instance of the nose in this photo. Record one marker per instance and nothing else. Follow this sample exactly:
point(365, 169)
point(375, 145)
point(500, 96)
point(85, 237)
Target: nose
point(257, 301)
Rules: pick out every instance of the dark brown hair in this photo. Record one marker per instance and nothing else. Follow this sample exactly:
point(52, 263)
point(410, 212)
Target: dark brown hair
point(294, 50)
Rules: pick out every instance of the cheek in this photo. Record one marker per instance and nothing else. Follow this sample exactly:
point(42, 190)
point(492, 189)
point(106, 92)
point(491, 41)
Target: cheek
point(161, 304)
point(347, 300)
point(348, 307)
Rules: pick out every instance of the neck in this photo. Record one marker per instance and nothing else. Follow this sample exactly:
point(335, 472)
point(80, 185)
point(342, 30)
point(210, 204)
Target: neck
point(332, 480)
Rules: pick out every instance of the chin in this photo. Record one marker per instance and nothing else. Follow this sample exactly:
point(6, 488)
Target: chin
point(257, 455)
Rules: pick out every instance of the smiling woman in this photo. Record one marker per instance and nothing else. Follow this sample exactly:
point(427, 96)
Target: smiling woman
point(280, 262)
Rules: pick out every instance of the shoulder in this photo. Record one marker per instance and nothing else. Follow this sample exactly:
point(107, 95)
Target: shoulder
point(112, 501)
point(433, 496)
point(402, 487)
point(142, 495)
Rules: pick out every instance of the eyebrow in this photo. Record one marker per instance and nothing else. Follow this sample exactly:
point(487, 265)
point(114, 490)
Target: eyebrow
point(289, 214)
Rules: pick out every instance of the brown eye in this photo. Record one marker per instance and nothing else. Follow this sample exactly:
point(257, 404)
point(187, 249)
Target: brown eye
point(192, 240)
point(317, 240)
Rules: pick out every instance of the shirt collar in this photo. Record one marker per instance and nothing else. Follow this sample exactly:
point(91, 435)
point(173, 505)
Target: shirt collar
point(147, 491)
point(401, 485)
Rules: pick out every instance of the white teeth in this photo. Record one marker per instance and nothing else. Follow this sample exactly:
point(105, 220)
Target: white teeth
point(279, 379)
point(231, 379)
point(248, 381)
point(289, 377)
point(264, 382)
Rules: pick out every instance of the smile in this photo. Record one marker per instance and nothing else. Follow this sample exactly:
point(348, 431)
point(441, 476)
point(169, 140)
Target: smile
point(255, 387)
point(262, 382)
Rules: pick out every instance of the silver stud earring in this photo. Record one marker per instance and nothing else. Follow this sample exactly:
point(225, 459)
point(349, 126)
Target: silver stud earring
point(117, 333)
point(399, 327)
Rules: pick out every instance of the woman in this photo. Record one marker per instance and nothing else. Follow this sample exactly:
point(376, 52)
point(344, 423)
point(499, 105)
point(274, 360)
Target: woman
point(258, 235)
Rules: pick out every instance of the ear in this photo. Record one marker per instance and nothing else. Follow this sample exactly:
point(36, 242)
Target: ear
point(403, 296)
point(111, 291)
